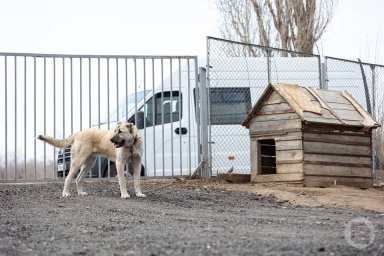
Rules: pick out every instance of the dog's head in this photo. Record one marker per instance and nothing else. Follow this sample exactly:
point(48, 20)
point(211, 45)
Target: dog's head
point(124, 135)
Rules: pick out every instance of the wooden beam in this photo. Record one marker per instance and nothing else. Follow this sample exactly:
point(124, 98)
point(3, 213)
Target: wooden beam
point(275, 107)
point(278, 177)
point(272, 132)
point(288, 145)
point(282, 114)
point(279, 125)
point(290, 155)
point(255, 158)
point(289, 168)
point(337, 164)
point(337, 138)
point(342, 159)
point(341, 171)
point(335, 149)
point(322, 181)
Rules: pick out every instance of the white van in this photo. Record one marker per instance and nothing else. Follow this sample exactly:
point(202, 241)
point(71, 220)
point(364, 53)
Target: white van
point(168, 121)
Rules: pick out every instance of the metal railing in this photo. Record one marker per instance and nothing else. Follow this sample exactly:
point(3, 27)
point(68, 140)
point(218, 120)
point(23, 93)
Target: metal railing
point(58, 95)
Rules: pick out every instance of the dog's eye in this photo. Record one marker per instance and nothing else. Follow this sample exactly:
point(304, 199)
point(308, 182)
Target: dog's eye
point(119, 131)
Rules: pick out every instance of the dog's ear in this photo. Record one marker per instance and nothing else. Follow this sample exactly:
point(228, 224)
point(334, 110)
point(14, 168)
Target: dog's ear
point(129, 126)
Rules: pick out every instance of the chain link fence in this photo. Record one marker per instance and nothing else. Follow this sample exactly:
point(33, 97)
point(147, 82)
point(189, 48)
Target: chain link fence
point(238, 74)
point(365, 81)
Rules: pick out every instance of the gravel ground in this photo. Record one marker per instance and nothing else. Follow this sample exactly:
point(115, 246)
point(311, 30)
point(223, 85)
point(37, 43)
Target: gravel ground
point(176, 218)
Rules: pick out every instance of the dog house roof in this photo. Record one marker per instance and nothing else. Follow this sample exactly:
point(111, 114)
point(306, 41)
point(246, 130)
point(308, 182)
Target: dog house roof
point(318, 106)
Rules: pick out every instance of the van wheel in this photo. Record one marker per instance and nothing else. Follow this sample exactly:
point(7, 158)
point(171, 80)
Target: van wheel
point(142, 173)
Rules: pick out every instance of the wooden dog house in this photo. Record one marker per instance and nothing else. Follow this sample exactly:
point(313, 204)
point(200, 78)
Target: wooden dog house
point(318, 137)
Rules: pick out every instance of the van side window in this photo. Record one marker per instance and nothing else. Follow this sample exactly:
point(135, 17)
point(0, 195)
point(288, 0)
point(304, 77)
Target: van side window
point(162, 108)
point(229, 105)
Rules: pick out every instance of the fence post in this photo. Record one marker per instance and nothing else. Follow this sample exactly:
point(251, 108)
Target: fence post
point(374, 149)
point(366, 89)
point(373, 90)
point(324, 71)
point(205, 172)
point(321, 73)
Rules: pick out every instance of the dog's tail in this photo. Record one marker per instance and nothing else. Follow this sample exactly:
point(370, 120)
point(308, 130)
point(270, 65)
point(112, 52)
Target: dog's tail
point(56, 142)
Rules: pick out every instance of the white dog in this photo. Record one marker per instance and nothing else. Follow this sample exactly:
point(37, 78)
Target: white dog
point(122, 145)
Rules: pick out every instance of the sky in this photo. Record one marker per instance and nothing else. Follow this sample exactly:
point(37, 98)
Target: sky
point(166, 27)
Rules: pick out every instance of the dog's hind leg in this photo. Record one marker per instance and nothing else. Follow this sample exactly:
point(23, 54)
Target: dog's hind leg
point(69, 178)
point(136, 177)
point(85, 168)
point(75, 166)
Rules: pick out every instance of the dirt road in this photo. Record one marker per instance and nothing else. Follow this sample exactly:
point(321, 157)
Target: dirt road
point(177, 218)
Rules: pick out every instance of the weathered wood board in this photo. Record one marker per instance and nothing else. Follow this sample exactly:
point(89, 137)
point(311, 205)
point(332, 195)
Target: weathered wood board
point(335, 149)
point(338, 138)
point(289, 168)
point(325, 181)
point(340, 171)
point(286, 177)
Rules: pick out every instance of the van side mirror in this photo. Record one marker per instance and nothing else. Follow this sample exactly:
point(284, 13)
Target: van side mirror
point(140, 120)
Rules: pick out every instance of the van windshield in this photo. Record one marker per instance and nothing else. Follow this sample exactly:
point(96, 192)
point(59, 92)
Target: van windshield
point(125, 106)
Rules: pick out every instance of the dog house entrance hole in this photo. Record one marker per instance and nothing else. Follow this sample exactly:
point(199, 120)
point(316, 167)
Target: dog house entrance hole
point(267, 156)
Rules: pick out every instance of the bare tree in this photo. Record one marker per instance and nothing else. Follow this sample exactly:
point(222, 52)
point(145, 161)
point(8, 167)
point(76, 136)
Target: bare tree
point(238, 22)
point(288, 24)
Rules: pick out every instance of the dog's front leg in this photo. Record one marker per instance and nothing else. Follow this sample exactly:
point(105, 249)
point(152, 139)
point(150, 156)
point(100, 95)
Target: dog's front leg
point(121, 177)
point(136, 177)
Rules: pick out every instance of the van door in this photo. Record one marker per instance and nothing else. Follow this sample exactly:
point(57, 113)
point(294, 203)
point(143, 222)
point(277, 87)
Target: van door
point(170, 141)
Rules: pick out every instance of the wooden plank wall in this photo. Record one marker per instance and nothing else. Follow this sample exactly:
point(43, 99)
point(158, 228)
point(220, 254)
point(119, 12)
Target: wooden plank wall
point(342, 158)
point(274, 116)
point(277, 120)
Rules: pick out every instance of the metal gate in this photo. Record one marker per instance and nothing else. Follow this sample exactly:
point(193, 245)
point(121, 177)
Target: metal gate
point(58, 95)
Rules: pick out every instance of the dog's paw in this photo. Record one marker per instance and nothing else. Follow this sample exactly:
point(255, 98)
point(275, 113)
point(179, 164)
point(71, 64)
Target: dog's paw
point(66, 194)
point(125, 195)
point(140, 195)
point(83, 193)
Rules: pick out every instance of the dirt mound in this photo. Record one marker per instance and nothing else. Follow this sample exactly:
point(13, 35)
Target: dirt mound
point(335, 197)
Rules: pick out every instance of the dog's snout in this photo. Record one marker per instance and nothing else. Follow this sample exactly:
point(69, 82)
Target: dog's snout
point(113, 139)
